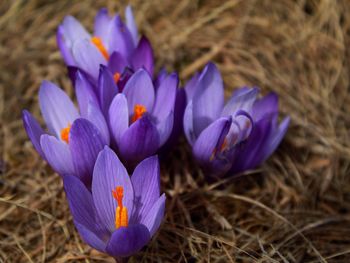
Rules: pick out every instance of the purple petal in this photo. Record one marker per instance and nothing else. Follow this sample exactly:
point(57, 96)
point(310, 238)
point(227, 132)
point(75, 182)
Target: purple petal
point(139, 141)
point(83, 211)
point(277, 137)
point(34, 131)
point(139, 90)
point(126, 241)
point(211, 139)
point(165, 128)
point(101, 26)
point(241, 100)
point(266, 105)
point(165, 97)
point(131, 24)
point(155, 215)
point(85, 142)
point(85, 93)
point(73, 31)
point(121, 41)
point(143, 56)
point(117, 63)
point(109, 173)
point(188, 124)
point(191, 86)
point(146, 183)
point(64, 47)
point(107, 89)
point(56, 107)
point(208, 98)
point(118, 117)
point(96, 117)
point(88, 57)
point(57, 154)
point(160, 77)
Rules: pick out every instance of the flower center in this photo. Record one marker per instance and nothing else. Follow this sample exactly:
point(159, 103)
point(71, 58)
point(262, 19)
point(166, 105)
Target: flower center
point(65, 133)
point(121, 212)
point(116, 77)
point(98, 43)
point(139, 110)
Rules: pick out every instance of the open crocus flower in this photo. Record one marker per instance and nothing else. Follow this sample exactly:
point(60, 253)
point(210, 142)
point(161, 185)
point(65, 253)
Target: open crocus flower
point(235, 136)
point(141, 118)
point(121, 213)
point(113, 44)
point(76, 138)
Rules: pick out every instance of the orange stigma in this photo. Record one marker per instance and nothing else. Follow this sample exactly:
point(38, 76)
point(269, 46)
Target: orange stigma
point(98, 43)
point(65, 133)
point(139, 110)
point(121, 212)
point(116, 77)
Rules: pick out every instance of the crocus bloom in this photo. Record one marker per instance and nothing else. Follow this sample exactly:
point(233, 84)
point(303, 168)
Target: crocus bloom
point(141, 117)
point(76, 138)
point(112, 44)
point(230, 137)
point(121, 213)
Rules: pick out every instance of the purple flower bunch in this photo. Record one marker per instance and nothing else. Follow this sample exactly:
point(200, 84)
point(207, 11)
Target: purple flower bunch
point(126, 116)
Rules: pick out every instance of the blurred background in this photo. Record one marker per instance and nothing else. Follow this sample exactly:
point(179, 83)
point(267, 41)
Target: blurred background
point(294, 208)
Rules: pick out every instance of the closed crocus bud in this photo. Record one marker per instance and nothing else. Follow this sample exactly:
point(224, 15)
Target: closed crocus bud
point(121, 213)
point(75, 137)
point(234, 136)
point(113, 43)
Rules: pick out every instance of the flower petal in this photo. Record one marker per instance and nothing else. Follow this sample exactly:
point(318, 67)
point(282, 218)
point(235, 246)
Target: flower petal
point(277, 137)
point(165, 97)
point(131, 24)
point(85, 93)
point(107, 89)
point(57, 154)
point(191, 86)
point(126, 241)
point(83, 211)
point(56, 107)
point(117, 63)
point(243, 99)
point(165, 127)
point(65, 49)
point(188, 123)
point(265, 105)
point(208, 98)
point(118, 117)
point(143, 56)
point(96, 117)
point(146, 183)
point(155, 215)
point(121, 41)
point(210, 139)
point(101, 26)
point(85, 142)
point(34, 131)
point(109, 173)
point(88, 57)
point(139, 141)
point(73, 31)
point(139, 90)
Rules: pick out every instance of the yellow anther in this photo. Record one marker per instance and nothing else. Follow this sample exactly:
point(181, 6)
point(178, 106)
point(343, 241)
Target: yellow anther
point(65, 133)
point(139, 110)
point(98, 43)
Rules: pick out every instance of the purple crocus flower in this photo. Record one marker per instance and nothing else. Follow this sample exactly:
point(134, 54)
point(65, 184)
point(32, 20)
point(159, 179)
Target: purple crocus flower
point(230, 137)
point(141, 117)
point(121, 213)
point(112, 44)
point(76, 138)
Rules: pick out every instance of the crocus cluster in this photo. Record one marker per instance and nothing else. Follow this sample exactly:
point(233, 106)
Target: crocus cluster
point(125, 116)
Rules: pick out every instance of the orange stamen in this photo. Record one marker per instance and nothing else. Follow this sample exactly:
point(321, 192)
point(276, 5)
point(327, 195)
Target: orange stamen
point(139, 110)
point(65, 133)
point(98, 43)
point(116, 77)
point(121, 212)
point(222, 148)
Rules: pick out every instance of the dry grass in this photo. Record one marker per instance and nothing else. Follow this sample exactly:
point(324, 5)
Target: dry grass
point(294, 208)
